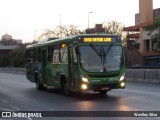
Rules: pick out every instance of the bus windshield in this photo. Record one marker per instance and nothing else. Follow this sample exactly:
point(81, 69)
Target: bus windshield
point(101, 58)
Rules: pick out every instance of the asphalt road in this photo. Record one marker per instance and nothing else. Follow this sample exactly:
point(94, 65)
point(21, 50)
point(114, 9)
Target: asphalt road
point(18, 94)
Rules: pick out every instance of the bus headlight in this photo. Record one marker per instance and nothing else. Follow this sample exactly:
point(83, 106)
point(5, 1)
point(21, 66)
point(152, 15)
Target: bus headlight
point(84, 79)
point(84, 87)
point(122, 84)
point(122, 78)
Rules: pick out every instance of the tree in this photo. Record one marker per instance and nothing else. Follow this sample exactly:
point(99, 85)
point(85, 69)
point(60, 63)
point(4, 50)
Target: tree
point(2, 61)
point(17, 56)
point(60, 31)
point(113, 27)
point(70, 30)
point(48, 33)
point(155, 25)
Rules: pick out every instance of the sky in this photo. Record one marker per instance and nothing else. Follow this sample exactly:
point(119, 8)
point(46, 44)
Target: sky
point(26, 19)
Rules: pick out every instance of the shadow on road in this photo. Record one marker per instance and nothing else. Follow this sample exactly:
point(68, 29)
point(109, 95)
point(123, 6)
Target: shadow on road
point(84, 95)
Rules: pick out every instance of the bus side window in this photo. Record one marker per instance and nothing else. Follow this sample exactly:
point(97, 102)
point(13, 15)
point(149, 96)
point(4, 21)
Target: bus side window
point(27, 56)
point(30, 55)
point(63, 54)
point(56, 54)
point(36, 55)
point(39, 55)
point(50, 53)
point(33, 54)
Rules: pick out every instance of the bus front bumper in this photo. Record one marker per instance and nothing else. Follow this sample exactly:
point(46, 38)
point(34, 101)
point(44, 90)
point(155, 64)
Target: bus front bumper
point(99, 87)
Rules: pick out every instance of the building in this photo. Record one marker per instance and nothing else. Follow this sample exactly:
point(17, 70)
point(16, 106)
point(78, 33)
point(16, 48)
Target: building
point(4, 55)
point(97, 29)
point(7, 39)
point(141, 49)
point(7, 43)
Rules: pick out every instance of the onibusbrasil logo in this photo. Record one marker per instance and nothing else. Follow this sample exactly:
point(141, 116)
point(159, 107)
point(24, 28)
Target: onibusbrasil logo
point(21, 114)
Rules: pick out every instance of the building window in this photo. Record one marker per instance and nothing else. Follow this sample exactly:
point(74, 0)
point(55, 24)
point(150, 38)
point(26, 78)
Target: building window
point(146, 43)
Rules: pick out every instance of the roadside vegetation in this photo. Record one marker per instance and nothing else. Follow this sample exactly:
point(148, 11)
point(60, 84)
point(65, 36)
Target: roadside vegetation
point(155, 26)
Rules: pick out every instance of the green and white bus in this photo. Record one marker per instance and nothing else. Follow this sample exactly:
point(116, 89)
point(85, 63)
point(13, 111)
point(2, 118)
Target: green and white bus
point(86, 62)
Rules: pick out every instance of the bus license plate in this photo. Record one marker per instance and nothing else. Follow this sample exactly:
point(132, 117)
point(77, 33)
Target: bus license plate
point(105, 88)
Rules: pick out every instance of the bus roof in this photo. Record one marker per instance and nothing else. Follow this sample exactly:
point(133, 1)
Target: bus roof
point(70, 38)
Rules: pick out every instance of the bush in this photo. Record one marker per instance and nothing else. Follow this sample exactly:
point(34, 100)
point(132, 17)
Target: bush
point(17, 56)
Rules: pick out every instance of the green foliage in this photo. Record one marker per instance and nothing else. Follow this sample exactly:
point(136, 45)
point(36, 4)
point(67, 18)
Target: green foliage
point(153, 26)
point(19, 59)
point(156, 37)
point(17, 56)
point(2, 61)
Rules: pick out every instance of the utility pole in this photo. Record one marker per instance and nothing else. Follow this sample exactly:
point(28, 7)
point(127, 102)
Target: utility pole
point(60, 26)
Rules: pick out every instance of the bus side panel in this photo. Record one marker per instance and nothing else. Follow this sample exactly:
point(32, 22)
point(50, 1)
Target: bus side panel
point(49, 74)
point(54, 73)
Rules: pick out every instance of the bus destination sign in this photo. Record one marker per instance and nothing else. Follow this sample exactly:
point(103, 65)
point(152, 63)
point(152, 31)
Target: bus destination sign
point(96, 39)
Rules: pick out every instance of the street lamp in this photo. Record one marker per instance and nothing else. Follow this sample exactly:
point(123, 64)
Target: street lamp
point(60, 26)
point(88, 19)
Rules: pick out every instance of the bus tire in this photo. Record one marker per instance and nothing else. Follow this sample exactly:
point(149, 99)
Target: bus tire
point(103, 92)
point(39, 85)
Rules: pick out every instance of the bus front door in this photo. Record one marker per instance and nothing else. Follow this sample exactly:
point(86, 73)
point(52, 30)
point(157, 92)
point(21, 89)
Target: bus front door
point(73, 67)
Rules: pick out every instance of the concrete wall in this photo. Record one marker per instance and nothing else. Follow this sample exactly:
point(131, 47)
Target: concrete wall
point(149, 76)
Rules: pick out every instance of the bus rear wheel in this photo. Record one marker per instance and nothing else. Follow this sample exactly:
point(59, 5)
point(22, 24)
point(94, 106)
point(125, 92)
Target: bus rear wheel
point(39, 85)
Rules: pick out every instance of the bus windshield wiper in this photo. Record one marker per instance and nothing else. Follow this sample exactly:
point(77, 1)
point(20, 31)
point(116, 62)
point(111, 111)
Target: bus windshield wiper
point(103, 55)
point(94, 48)
point(109, 48)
